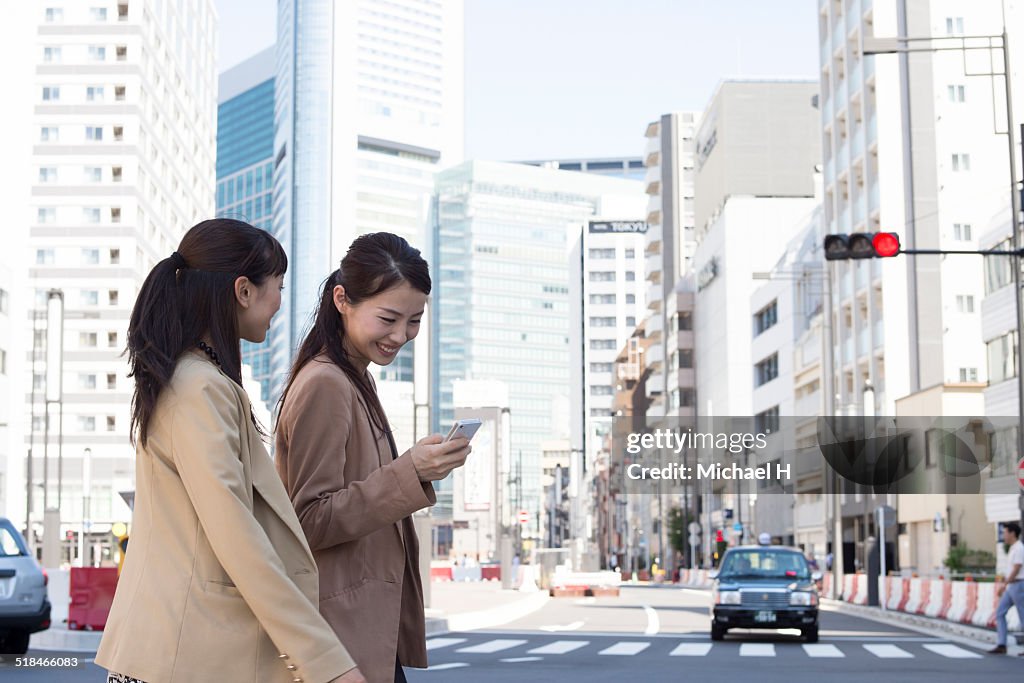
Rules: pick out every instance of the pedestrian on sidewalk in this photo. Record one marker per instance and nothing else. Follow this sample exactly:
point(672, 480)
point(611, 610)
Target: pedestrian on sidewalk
point(218, 583)
point(1012, 591)
point(353, 492)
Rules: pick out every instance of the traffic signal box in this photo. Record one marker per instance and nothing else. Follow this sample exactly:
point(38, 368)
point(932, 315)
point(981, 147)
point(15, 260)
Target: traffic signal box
point(861, 245)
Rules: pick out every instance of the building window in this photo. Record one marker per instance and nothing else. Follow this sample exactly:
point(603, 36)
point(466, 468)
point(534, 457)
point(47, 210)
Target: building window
point(97, 53)
point(961, 162)
point(48, 174)
point(98, 13)
point(687, 398)
point(968, 374)
point(767, 422)
point(87, 340)
point(115, 214)
point(3, 362)
point(112, 339)
point(90, 297)
point(602, 276)
point(766, 317)
point(54, 15)
point(601, 367)
point(94, 133)
point(115, 173)
point(46, 214)
point(112, 297)
point(115, 256)
point(630, 276)
point(631, 298)
point(51, 54)
point(49, 134)
point(5, 302)
point(111, 423)
point(1002, 358)
point(118, 133)
point(685, 321)
point(122, 11)
point(92, 174)
point(86, 423)
point(86, 382)
point(602, 344)
point(602, 298)
point(90, 257)
point(51, 93)
point(685, 358)
point(631, 253)
point(119, 93)
point(90, 215)
point(94, 93)
point(954, 26)
point(964, 303)
point(602, 321)
point(601, 253)
point(962, 232)
point(122, 52)
point(956, 93)
point(111, 381)
point(998, 269)
point(44, 257)
point(766, 370)
point(600, 390)
point(630, 321)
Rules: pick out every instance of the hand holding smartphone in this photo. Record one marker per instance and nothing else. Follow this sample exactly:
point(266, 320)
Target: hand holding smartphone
point(464, 429)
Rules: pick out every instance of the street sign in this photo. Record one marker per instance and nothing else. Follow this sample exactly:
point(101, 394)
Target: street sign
point(524, 517)
point(694, 528)
point(737, 527)
point(694, 539)
point(1020, 473)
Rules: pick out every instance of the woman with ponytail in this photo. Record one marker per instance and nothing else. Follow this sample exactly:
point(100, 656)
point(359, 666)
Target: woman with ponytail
point(353, 492)
point(218, 583)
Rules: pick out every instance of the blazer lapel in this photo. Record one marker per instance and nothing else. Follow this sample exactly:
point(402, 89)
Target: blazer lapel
point(266, 480)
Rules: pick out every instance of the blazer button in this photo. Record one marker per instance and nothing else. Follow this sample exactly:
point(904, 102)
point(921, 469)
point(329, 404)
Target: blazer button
point(282, 656)
point(291, 667)
point(296, 680)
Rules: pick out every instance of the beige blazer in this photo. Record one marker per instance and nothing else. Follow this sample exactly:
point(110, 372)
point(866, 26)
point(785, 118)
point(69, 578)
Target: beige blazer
point(354, 502)
point(218, 583)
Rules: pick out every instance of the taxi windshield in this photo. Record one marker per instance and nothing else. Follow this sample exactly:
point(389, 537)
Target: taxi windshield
point(764, 564)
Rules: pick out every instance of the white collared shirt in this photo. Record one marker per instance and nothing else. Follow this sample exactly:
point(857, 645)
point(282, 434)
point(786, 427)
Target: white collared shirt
point(1016, 556)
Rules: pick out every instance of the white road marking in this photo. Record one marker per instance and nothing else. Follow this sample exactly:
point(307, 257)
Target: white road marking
point(952, 651)
point(567, 627)
point(757, 650)
point(823, 650)
point(438, 643)
point(492, 646)
point(449, 665)
point(516, 660)
point(888, 652)
point(625, 648)
point(653, 624)
point(559, 647)
point(691, 650)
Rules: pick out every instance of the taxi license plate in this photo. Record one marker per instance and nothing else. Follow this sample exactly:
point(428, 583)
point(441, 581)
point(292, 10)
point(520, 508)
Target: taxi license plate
point(764, 617)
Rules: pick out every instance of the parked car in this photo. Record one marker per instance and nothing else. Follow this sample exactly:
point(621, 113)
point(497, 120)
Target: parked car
point(24, 605)
point(765, 587)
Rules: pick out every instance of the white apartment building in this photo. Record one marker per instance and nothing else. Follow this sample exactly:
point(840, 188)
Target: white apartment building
point(668, 249)
point(911, 326)
point(122, 163)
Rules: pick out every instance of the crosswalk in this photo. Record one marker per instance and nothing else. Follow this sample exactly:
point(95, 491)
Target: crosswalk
point(526, 649)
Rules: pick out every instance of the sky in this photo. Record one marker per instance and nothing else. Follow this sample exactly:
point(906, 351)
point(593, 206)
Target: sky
point(583, 78)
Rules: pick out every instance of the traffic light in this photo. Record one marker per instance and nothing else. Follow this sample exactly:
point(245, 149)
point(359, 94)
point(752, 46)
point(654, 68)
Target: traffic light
point(861, 245)
point(120, 530)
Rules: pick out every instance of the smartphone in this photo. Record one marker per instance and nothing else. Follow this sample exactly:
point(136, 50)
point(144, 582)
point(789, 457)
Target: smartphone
point(465, 428)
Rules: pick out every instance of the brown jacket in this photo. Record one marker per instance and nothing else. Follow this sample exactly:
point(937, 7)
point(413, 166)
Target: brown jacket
point(218, 583)
point(353, 501)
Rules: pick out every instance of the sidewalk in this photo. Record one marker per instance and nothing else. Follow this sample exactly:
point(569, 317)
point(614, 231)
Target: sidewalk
point(466, 606)
point(981, 638)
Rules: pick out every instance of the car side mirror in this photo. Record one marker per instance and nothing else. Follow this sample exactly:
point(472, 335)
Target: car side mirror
point(816, 576)
point(713, 574)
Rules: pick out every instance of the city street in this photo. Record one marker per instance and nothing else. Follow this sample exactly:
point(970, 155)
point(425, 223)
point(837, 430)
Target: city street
point(661, 634)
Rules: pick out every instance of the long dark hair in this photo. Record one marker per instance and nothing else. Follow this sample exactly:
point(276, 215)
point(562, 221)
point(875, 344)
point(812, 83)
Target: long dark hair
point(375, 263)
point(191, 293)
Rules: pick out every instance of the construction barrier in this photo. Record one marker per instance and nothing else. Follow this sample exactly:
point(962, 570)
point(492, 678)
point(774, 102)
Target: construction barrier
point(965, 602)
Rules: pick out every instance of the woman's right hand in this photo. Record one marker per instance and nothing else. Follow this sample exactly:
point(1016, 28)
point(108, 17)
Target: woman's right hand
point(350, 676)
point(434, 458)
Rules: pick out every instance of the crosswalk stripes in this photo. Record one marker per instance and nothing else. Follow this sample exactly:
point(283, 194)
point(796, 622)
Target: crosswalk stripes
point(626, 648)
point(951, 651)
point(492, 646)
point(757, 650)
point(888, 652)
point(535, 650)
point(559, 647)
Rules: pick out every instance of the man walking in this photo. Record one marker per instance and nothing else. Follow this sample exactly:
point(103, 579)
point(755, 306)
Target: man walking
point(1014, 586)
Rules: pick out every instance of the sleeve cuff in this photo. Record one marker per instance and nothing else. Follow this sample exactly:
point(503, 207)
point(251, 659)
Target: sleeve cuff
point(413, 490)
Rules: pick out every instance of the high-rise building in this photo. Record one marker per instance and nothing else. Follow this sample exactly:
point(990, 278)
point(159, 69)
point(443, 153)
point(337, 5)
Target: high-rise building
point(910, 145)
point(245, 165)
point(501, 303)
point(631, 168)
point(122, 164)
point(368, 106)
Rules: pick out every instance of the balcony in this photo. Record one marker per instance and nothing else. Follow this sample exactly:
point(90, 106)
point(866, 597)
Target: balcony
point(809, 405)
point(652, 267)
point(846, 285)
point(873, 197)
point(862, 275)
point(840, 99)
point(864, 342)
point(654, 326)
point(654, 295)
point(857, 146)
point(655, 382)
point(843, 156)
point(879, 335)
point(838, 35)
point(848, 351)
point(652, 239)
point(858, 211)
point(654, 356)
point(826, 108)
point(844, 220)
point(686, 378)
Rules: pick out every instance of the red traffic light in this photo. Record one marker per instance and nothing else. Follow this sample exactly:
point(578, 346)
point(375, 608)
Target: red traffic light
point(886, 244)
point(718, 537)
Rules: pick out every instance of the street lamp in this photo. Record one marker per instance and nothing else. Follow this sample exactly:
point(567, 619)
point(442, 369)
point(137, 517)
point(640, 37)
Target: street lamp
point(54, 394)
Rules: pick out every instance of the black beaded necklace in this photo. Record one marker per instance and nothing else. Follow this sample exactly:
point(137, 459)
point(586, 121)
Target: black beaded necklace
point(208, 350)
